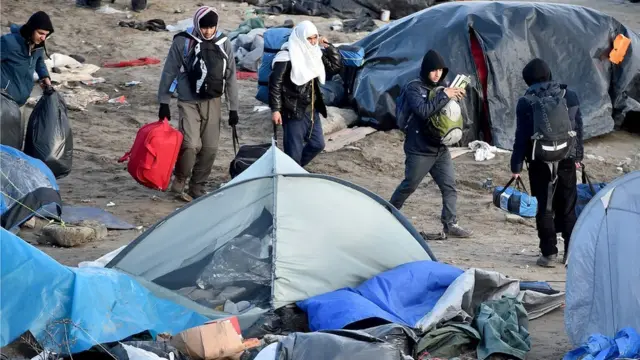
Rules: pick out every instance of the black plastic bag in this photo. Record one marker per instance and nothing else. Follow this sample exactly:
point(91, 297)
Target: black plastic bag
point(49, 137)
point(11, 127)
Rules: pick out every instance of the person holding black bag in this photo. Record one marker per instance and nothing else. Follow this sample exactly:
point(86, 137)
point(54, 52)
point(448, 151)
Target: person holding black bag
point(549, 138)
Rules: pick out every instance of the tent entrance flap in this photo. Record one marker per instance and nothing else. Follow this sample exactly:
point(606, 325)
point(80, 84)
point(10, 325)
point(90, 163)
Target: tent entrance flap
point(482, 73)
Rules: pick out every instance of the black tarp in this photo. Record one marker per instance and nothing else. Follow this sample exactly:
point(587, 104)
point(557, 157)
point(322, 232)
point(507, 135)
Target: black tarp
point(574, 40)
point(346, 8)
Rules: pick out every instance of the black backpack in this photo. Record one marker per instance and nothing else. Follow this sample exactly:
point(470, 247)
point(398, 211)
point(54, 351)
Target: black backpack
point(206, 65)
point(553, 134)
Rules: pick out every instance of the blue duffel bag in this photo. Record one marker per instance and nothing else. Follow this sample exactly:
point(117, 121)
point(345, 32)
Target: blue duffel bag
point(586, 191)
point(515, 200)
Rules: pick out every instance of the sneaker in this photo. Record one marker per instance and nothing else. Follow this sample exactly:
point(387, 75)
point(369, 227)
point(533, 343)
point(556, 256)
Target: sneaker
point(178, 185)
point(547, 261)
point(456, 231)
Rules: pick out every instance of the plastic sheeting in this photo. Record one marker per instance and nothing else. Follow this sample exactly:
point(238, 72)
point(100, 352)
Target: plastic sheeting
point(574, 40)
point(11, 128)
point(49, 137)
point(336, 345)
point(402, 295)
point(603, 295)
point(348, 8)
point(26, 185)
point(74, 309)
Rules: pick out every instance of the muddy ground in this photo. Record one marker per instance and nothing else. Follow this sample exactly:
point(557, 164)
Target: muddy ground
point(105, 132)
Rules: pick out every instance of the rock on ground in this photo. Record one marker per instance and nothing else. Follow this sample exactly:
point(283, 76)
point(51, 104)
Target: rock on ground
point(71, 235)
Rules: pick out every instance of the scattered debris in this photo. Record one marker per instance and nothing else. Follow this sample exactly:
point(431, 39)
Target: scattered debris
point(132, 83)
point(106, 9)
point(340, 139)
point(149, 25)
point(516, 219)
point(110, 204)
point(119, 100)
point(93, 81)
point(484, 151)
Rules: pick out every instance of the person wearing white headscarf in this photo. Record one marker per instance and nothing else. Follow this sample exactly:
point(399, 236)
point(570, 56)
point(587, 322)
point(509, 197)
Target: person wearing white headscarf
point(295, 99)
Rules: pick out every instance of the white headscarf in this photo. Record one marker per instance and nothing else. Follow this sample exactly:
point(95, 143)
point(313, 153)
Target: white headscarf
point(306, 59)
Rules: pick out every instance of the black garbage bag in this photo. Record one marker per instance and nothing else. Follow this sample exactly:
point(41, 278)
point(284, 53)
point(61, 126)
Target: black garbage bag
point(337, 344)
point(49, 137)
point(11, 127)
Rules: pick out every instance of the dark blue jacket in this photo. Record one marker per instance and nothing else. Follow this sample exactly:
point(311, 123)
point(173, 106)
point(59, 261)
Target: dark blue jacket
point(523, 145)
point(18, 65)
point(417, 100)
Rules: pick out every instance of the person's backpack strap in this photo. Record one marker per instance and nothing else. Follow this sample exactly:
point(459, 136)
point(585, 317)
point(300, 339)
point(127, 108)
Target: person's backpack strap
point(185, 53)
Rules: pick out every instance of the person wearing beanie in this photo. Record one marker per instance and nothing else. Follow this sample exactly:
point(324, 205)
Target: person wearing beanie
point(199, 97)
point(562, 218)
point(425, 154)
point(22, 52)
point(295, 99)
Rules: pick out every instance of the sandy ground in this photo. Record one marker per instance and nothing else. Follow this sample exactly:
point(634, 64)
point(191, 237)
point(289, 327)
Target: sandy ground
point(105, 132)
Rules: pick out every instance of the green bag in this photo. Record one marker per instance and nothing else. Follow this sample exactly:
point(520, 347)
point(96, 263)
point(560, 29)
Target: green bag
point(446, 125)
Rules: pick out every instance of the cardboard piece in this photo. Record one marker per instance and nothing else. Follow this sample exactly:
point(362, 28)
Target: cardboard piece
point(212, 341)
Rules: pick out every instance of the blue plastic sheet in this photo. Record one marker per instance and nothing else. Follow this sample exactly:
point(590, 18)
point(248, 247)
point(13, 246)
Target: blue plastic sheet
point(402, 295)
point(76, 308)
point(626, 344)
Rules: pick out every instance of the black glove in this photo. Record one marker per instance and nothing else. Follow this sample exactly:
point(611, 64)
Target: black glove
point(233, 118)
point(164, 112)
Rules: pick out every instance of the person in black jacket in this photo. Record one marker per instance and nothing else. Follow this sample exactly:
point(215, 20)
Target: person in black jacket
point(537, 75)
point(425, 155)
point(294, 90)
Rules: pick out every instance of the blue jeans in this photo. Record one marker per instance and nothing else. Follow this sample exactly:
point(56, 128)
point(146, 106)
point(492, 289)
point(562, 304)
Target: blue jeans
point(303, 140)
point(440, 166)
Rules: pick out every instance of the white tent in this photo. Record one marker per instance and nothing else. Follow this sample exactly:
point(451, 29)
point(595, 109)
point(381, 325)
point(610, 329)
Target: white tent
point(603, 274)
point(273, 236)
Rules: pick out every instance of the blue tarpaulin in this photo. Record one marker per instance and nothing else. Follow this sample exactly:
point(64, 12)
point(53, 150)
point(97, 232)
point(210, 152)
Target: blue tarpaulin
point(78, 307)
point(402, 295)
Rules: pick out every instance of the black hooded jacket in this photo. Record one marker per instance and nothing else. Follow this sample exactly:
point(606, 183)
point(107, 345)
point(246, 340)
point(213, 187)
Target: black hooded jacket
point(38, 21)
point(538, 77)
point(417, 98)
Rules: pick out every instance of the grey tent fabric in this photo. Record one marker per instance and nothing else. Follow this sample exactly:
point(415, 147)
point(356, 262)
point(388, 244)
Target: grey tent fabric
point(603, 274)
point(273, 236)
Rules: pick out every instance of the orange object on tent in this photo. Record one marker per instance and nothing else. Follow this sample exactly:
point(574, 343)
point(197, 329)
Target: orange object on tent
point(620, 47)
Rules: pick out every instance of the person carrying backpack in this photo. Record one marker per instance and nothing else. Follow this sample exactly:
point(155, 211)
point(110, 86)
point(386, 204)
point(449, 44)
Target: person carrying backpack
point(549, 138)
point(433, 119)
point(202, 60)
point(295, 98)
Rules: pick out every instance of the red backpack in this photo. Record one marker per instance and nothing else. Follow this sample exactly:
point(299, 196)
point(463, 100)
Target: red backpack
point(154, 154)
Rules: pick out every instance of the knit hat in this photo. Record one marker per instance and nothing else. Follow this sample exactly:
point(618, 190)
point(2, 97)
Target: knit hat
point(205, 17)
point(536, 71)
point(432, 61)
point(37, 21)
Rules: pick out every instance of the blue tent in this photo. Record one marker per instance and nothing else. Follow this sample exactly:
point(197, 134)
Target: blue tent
point(603, 274)
point(69, 310)
point(26, 187)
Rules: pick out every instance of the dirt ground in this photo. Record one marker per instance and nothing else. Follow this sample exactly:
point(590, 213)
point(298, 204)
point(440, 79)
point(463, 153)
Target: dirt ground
point(106, 131)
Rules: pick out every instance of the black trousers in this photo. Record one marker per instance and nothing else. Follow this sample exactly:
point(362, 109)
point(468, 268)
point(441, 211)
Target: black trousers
point(563, 216)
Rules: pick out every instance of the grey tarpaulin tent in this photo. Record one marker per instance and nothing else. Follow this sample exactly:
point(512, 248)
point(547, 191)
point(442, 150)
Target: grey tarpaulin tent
point(271, 239)
point(603, 275)
point(574, 40)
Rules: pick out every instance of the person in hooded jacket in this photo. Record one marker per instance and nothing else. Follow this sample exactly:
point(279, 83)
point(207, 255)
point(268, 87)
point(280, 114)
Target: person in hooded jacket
point(22, 53)
point(537, 76)
point(199, 119)
point(425, 155)
point(295, 98)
